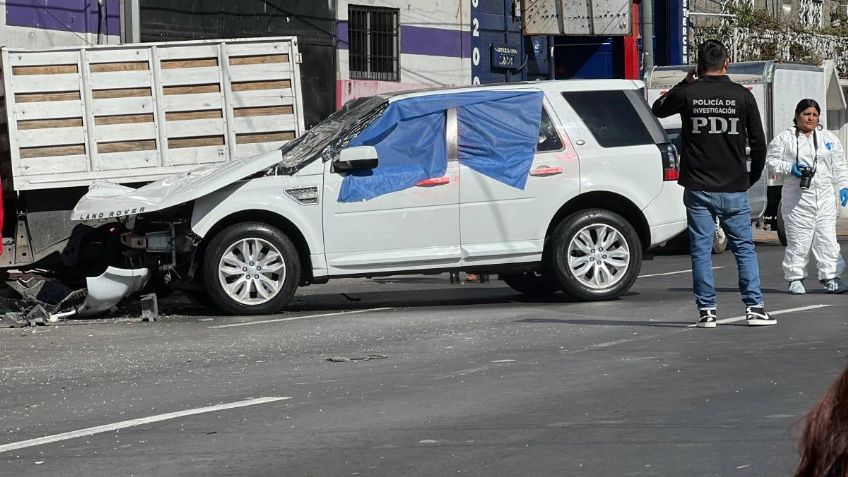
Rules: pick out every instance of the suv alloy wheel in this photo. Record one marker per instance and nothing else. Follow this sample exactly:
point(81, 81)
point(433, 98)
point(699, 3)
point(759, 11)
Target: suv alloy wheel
point(251, 268)
point(596, 254)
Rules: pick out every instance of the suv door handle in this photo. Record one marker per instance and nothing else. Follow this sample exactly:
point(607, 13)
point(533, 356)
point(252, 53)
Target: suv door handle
point(545, 171)
point(433, 182)
point(580, 142)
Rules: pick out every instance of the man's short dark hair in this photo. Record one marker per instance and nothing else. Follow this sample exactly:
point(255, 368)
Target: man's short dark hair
point(711, 56)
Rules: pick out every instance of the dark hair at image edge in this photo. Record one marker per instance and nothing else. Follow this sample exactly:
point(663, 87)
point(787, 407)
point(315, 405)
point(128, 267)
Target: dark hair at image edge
point(711, 55)
point(824, 441)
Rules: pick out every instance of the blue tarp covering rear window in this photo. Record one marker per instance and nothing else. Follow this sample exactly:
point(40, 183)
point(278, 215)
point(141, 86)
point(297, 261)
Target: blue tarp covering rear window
point(498, 132)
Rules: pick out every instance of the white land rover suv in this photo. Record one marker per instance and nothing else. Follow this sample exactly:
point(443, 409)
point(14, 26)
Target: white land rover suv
point(556, 186)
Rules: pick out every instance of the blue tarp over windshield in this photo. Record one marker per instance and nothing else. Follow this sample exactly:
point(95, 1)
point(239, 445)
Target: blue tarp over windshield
point(498, 131)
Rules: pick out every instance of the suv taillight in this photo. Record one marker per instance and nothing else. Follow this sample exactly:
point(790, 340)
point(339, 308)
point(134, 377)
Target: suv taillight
point(670, 161)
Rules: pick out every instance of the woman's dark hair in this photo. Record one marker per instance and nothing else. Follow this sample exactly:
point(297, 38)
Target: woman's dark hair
point(711, 56)
point(824, 443)
point(807, 103)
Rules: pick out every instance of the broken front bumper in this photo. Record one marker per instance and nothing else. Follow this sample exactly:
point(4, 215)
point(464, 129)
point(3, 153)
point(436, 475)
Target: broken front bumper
point(107, 290)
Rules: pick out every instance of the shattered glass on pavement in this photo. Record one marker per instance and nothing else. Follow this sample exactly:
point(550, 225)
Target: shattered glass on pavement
point(31, 301)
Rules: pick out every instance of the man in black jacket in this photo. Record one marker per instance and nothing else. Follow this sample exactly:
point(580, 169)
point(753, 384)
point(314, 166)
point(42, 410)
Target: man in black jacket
point(719, 119)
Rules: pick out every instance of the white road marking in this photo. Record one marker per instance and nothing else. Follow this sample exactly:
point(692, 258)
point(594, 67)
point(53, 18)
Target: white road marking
point(607, 344)
point(277, 320)
point(134, 422)
point(775, 312)
point(463, 372)
point(671, 273)
point(726, 320)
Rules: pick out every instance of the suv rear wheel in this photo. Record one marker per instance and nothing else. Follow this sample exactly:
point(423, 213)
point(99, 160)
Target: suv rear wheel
point(251, 269)
point(531, 283)
point(596, 255)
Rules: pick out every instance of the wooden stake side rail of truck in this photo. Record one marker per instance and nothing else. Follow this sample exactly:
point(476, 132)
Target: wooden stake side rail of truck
point(130, 114)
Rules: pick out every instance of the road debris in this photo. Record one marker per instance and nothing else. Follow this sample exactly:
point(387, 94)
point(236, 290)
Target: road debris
point(149, 307)
point(110, 288)
point(33, 300)
point(15, 319)
point(37, 316)
point(342, 359)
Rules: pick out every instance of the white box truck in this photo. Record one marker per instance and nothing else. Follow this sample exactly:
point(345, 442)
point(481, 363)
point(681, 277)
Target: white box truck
point(777, 87)
point(130, 114)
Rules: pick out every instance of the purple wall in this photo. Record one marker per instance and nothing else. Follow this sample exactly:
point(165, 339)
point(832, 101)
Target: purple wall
point(80, 16)
point(416, 40)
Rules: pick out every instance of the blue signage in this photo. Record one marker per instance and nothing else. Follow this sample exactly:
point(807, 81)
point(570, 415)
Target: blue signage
point(500, 53)
point(678, 32)
point(505, 56)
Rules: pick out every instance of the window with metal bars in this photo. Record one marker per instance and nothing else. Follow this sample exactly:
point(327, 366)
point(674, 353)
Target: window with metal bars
point(373, 41)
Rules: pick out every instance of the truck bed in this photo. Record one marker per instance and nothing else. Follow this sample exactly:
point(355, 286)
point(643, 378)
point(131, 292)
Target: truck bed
point(139, 112)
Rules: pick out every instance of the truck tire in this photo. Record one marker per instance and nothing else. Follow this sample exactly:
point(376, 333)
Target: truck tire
point(251, 268)
point(596, 255)
point(532, 283)
point(781, 227)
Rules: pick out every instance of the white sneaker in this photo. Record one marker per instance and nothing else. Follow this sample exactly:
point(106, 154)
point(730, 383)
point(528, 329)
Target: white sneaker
point(796, 287)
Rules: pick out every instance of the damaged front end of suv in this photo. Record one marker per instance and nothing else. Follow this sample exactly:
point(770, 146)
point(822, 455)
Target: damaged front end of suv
point(164, 226)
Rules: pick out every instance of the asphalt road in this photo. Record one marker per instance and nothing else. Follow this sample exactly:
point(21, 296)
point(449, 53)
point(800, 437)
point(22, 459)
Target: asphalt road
point(428, 379)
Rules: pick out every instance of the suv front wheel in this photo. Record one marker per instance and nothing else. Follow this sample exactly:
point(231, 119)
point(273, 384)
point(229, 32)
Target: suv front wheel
point(596, 255)
point(251, 269)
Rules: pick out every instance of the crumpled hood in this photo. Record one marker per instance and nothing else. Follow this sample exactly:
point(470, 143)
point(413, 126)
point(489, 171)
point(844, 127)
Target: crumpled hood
point(107, 200)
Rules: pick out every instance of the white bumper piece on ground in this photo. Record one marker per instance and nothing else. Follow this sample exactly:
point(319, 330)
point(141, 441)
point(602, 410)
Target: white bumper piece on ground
point(111, 287)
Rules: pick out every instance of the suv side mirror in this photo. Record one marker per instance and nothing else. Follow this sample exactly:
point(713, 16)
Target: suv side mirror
point(356, 157)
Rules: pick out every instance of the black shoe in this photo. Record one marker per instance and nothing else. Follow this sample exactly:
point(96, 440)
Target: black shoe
point(708, 318)
point(757, 316)
point(834, 285)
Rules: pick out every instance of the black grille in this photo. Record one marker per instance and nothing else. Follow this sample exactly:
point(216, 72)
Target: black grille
point(373, 40)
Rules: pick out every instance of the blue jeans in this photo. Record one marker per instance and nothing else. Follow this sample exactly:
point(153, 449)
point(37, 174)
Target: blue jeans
point(734, 213)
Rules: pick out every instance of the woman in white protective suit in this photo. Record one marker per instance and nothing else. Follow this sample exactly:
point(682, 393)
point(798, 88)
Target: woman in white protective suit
point(811, 160)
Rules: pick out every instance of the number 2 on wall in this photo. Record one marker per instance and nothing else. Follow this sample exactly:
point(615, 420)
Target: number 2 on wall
point(475, 32)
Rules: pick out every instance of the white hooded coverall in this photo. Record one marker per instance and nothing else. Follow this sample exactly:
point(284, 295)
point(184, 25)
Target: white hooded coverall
point(809, 215)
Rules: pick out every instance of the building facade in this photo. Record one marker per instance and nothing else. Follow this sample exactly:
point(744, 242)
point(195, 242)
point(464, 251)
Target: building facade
point(353, 48)
point(38, 24)
point(395, 45)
